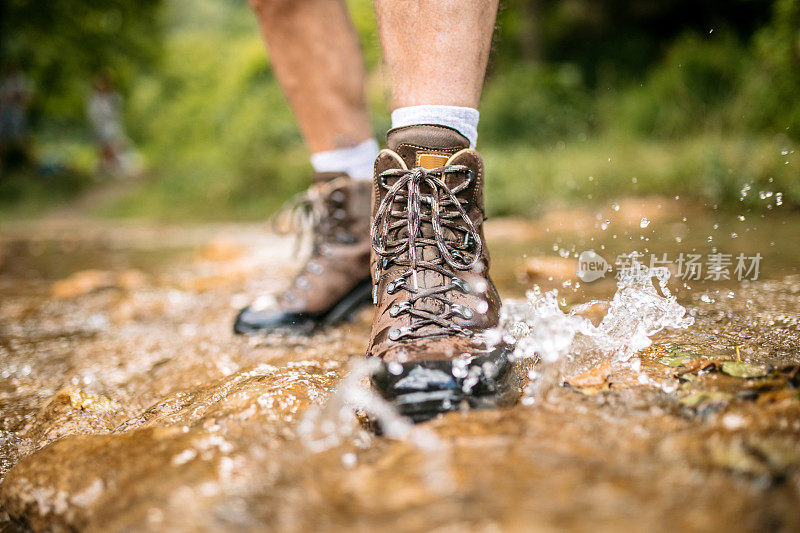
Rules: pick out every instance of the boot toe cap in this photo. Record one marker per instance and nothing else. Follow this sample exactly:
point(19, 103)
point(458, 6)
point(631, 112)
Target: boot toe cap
point(250, 321)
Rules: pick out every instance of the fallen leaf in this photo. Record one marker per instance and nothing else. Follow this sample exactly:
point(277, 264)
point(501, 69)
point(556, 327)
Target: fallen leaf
point(744, 370)
point(593, 377)
point(696, 399)
point(82, 282)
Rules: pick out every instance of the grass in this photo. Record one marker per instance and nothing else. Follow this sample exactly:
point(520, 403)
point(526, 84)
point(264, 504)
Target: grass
point(521, 180)
point(715, 170)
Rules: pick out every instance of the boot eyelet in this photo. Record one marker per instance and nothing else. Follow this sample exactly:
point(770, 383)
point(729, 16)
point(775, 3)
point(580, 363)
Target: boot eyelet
point(392, 286)
point(396, 309)
point(471, 176)
point(460, 285)
point(463, 312)
point(396, 333)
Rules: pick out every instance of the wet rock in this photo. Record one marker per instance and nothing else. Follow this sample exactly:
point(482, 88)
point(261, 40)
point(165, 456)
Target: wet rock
point(92, 482)
point(81, 283)
point(220, 249)
point(537, 268)
point(72, 411)
point(87, 281)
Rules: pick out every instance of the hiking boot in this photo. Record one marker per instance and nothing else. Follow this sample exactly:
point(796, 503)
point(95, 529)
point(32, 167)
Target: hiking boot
point(335, 281)
point(435, 302)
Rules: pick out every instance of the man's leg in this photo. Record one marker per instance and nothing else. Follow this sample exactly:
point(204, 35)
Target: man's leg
point(436, 305)
point(436, 50)
point(315, 53)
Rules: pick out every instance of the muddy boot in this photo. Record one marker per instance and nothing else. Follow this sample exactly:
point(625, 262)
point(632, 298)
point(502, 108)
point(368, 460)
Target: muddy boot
point(435, 301)
point(335, 280)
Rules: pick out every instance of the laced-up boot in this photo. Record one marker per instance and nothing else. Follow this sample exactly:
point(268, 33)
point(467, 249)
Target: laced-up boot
point(435, 304)
point(334, 282)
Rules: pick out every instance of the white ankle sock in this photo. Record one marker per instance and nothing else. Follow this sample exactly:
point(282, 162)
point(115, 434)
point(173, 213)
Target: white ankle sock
point(358, 161)
point(462, 119)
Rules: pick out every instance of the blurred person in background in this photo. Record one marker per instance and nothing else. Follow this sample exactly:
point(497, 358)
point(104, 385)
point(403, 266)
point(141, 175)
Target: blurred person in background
point(401, 228)
point(15, 97)
point(104, 111)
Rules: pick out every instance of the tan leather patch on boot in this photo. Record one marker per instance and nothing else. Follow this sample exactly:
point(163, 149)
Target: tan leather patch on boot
point(431, 160)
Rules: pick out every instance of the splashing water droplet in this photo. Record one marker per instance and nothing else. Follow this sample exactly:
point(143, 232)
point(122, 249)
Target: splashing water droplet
point(333, 424)
point(637, 311)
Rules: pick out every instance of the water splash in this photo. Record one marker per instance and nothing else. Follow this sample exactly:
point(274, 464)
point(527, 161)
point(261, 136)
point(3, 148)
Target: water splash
point(539, 329)
point(333, 424)
point(637, 311)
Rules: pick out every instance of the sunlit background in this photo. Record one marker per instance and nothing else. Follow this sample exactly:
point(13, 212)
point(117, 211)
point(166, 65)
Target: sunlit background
point(584, 101)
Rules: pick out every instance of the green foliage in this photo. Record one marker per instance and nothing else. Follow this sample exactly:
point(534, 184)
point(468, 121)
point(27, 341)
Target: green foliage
point(27, 193)
point(772, 85)
point(689, 92)
point(728, 171)
point(536, 104)
point(62, 45)
point(217, 128)
point(578, 89)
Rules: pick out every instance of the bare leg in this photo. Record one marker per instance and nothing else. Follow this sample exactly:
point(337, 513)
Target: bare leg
point(436, 50)
point(315, 53)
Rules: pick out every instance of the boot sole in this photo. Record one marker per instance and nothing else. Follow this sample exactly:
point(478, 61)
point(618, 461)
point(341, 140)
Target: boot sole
point(421, 390)
point(306, 324)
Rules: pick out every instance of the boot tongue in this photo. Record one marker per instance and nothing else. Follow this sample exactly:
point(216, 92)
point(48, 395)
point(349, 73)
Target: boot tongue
point(428, 146)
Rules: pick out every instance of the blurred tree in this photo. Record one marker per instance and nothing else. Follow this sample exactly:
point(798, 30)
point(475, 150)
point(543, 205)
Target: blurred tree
point(620, 38)
point(772, 88)
point(62, 45)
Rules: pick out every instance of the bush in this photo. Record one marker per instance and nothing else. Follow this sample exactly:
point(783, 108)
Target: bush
point(770, 95)
point(689, 92)
point(536, 105)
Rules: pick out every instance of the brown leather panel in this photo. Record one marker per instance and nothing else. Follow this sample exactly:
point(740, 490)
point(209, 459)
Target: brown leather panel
point(409, 140)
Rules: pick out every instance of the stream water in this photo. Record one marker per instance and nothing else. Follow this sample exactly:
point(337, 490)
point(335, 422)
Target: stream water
point(652, 400)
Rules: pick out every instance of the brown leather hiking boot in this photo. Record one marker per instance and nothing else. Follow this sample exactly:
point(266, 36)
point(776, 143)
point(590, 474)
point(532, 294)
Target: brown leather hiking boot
point(335, 280)
point(434, 297)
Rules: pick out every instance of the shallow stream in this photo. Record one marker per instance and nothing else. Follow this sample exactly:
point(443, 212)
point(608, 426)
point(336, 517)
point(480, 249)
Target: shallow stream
point(126, 403)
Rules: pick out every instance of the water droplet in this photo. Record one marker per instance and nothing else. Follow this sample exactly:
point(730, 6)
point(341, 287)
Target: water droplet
point(644, 223)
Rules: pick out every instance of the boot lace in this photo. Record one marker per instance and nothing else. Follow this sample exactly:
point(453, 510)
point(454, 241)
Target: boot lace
point(397, 237)
point(317, 213)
